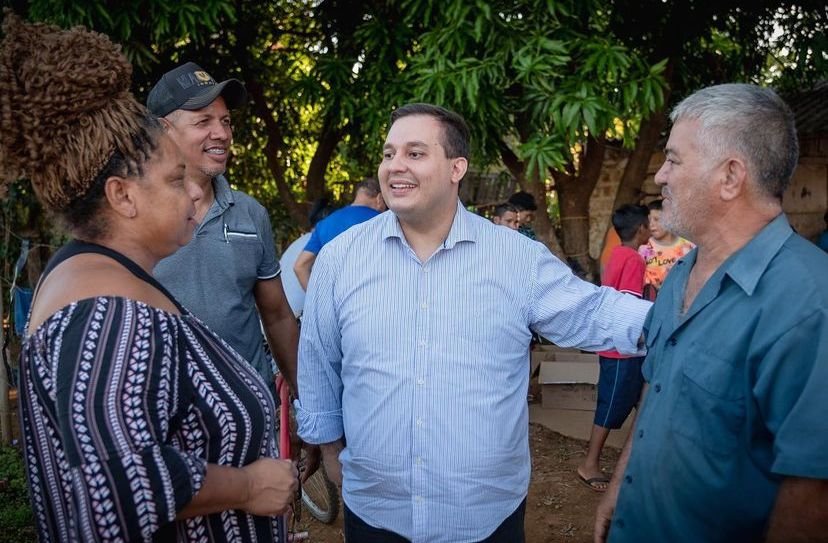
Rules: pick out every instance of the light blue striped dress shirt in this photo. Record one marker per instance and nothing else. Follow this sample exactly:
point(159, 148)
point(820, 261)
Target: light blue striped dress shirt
point(424, 367)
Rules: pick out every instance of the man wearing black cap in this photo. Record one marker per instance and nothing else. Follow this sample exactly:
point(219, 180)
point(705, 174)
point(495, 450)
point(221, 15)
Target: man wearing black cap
point(230, 268)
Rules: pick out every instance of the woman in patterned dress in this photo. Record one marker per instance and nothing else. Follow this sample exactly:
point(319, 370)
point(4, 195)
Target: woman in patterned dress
point(139, 423)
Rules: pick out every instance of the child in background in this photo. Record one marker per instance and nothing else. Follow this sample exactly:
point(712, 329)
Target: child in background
point(506, 215)
point(661, 251)
point(620, 380)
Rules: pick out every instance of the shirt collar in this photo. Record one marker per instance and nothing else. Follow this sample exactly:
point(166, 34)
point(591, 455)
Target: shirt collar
point(750, 262)
point(462, 228)
point(223, 193)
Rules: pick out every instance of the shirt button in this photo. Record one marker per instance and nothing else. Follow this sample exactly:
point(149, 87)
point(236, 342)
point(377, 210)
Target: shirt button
point(421, 381)
point(628, 479)
point(418, 460)
point(419, 422)
point(657, 388)
point(424, 305)
point(673, 341)
point(418, 499)
point(619, 523)
point(423, 343)
point(640, 434)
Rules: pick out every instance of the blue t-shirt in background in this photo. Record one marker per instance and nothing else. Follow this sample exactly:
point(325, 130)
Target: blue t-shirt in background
point(822, 242)
point(336, 223)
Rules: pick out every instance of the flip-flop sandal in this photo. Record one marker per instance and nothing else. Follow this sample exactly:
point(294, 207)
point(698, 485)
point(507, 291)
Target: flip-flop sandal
point(590, 483)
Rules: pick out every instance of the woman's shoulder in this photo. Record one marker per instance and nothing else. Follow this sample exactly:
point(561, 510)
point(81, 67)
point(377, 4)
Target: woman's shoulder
point(85, 278)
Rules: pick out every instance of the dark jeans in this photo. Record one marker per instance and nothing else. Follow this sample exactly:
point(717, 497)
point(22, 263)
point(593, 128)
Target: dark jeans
point(358, 531)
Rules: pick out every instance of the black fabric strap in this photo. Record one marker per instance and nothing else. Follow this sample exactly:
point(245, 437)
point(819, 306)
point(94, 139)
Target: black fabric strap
point(76, 247)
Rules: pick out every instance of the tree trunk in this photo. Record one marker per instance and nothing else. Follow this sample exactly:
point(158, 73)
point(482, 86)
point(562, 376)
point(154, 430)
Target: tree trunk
point(513, 164)
point(276, 151)
point(574, 192)
point(629, 188)
point(328, 140)
point(536, 187)
point(635, 172)
point(543, 222)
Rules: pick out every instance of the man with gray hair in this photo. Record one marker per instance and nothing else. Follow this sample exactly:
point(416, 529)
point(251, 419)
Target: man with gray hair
point(730, 443)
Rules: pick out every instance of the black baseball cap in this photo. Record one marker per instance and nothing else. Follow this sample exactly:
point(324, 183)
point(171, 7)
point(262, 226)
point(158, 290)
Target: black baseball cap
point(189, 87)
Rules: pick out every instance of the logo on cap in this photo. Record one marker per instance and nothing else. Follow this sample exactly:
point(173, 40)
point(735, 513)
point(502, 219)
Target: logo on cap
point(198, 78)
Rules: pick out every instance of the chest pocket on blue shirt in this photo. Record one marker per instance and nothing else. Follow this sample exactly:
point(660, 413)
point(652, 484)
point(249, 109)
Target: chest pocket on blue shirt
point(710, 407)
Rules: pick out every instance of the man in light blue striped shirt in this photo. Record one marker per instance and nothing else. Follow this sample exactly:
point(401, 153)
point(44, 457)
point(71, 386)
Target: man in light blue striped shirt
point(415, 349)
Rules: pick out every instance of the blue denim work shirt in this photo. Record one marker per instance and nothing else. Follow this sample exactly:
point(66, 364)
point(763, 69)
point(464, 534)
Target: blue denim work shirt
point(424, 366)
point(736, 398)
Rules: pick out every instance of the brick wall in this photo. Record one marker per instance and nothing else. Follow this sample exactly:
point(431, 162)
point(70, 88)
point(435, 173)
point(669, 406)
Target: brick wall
point(805, 201)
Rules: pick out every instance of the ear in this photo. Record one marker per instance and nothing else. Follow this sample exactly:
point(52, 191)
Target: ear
point(119, 194)
point(459, 166)
point(166, 123)
point(734, 180)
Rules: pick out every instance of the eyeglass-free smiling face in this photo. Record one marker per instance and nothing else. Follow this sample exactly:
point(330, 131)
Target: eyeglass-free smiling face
point(204, 136)
point(419, 182)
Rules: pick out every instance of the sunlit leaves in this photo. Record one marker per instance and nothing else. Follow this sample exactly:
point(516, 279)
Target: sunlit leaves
point(549, 73)
point(140, 23)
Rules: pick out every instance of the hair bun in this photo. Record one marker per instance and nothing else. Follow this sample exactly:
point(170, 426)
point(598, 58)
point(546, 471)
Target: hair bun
point(65, 106)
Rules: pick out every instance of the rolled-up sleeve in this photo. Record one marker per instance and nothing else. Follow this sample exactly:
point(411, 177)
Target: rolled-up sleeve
point(574, 313)
point(319, 407)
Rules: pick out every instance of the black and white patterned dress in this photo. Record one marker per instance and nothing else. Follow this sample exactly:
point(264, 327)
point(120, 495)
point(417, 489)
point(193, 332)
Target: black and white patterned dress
point(122, 406)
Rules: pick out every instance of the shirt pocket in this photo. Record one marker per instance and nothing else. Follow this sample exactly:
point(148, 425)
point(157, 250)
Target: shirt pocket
point(710, 408)
point(245, 253)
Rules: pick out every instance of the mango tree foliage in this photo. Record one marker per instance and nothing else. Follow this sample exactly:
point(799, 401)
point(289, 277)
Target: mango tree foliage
point(543, 83)
point(780, 43)
point(321, 77)
point(141, 27)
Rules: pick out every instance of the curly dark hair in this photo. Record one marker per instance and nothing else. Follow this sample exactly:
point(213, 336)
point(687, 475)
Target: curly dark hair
point(67, 117)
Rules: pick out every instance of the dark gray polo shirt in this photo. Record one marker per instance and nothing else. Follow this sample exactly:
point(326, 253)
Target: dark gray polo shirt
point(213, 276)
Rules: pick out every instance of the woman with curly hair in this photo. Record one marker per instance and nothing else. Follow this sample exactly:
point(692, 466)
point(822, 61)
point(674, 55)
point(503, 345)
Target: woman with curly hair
point(139, 423)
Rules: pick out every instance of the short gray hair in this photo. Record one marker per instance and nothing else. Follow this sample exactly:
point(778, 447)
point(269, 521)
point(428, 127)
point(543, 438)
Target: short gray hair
point(751, 120)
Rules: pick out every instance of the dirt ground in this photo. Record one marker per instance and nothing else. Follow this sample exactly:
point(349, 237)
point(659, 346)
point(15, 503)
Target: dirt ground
point(559, 508)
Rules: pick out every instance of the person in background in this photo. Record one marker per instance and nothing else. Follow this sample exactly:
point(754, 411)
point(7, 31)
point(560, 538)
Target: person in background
point(526, 206)
point(660, 252)
point(729, 443)
point(506, 215)
point(367, 204)
point(228, 275)
point(138, 422)
point(823, 238)
point(293, 289)
point(619, 381)
point(415, 349)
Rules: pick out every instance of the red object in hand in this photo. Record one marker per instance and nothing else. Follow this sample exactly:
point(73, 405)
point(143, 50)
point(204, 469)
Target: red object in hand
point(284, 418)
